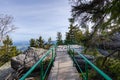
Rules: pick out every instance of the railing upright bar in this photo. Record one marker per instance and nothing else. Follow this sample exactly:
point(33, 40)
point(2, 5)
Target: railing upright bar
point(79, 68)
point(40, 62)
point(52, 53)
point(69, 47)
point(31, 69)
point(51, 61)
point(86, 69)
point(41, 75)
point(87, 62)
point(97, 69)
point(73, 53)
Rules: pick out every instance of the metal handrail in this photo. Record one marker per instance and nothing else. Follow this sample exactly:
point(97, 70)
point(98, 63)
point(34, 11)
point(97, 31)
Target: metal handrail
point(40, 62)
point(85, 76)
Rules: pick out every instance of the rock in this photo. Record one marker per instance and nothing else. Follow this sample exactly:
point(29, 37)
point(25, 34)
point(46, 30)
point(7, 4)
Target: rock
point(5, 70)
point(27, 59)
point(89, 57)
point(81, 61)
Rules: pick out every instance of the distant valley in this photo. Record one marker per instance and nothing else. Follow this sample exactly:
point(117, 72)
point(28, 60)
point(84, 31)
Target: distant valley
point(23, 45)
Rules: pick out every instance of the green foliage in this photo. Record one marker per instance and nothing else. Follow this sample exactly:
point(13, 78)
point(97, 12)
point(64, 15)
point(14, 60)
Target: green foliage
point(74, 35)
point(103, 12)
point(4, 59)
point(101, 16)
point(48, 44)
point(71, 34)
point(32, 43)
point(111, 68)
point(40, 42)
point(59, 38)
point(49, 40)
point(37, 43)
point(7, 51)
point(7, 41)
point(91, 51)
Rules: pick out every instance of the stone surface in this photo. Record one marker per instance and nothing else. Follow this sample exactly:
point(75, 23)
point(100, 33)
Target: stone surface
point(89, 57)
point(81, 61)
point(27, 59)
point(5, 70)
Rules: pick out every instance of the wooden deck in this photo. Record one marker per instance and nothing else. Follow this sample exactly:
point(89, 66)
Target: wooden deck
point(63, 66)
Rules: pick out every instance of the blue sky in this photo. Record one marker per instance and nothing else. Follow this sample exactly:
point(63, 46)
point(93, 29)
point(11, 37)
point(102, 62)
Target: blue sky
point(37, 17)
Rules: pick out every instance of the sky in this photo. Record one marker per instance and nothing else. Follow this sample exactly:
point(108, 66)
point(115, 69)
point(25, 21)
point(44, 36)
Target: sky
point(34, 18)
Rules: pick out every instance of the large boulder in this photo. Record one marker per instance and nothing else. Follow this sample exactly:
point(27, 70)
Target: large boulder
point(27, 59)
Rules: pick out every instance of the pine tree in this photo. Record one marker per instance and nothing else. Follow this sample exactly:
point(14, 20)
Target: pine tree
point(59, 38)
point(48, 44)
point(102, 14)
point(7, 44)
point(41, 42)
point(49, 41)
point(32, 43)
point(7, 50)
point(71, 35)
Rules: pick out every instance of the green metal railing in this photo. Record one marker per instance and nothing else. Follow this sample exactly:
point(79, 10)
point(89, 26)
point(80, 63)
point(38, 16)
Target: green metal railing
point(87, 62)
point(40, 62)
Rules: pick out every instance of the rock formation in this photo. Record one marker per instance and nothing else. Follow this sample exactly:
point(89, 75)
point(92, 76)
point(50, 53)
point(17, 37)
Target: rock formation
point(27, 59)
point(81, 61)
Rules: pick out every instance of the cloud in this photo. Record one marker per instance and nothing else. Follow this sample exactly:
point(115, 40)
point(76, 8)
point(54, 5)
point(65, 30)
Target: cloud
point(38, 17)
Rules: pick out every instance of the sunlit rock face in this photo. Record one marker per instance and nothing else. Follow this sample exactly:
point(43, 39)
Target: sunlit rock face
point(27, 59)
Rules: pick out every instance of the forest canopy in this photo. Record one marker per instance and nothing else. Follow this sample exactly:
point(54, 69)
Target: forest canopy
point(102, 14)
point(104, 17)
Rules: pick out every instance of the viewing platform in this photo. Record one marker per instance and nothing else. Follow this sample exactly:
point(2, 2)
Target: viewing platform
point(63, 68)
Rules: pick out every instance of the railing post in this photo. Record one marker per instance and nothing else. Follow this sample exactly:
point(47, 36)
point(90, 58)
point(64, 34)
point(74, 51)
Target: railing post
point(52, 53)
point(73, 53)
point(73, 58)
point(55, 50)
point(41, 71)
point(86, 69)
point(69, 47)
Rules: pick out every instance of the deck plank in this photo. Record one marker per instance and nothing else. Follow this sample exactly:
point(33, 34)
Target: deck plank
point(63, 67)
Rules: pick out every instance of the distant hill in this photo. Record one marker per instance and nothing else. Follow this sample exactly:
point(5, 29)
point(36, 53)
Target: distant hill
point(53, 42)
point(21, 45)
